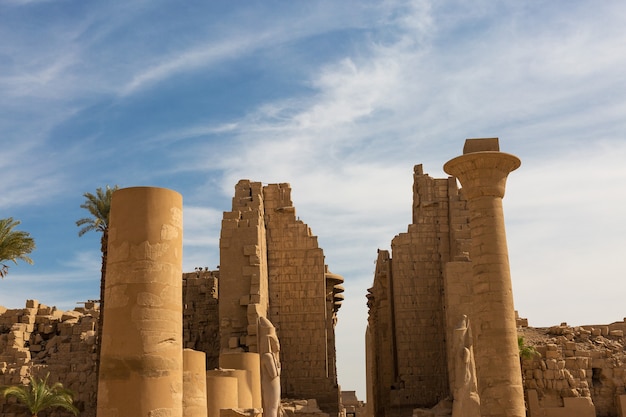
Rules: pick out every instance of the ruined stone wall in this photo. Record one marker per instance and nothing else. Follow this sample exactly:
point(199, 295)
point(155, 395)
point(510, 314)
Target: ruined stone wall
point(39, 339)
point(414, 283)
point(200, 314)
point(298, 303)
point(421, 292)
point(577, 362)
point(271, 266)
point(417, 259)
point(381, 341)
point(243, 268)
point(304, 301)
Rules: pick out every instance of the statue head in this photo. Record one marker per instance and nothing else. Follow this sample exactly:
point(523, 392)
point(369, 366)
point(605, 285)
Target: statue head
point(268, 340)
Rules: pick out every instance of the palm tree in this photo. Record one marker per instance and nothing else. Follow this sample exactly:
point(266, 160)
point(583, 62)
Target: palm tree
point(41, 396)
point(99, 206)
point(14, 245)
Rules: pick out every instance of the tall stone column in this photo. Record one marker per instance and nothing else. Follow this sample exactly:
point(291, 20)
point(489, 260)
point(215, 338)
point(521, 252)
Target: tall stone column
point(141, 370)
point(482, 171)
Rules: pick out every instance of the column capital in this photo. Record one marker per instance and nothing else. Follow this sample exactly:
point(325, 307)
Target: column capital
point(482, 173)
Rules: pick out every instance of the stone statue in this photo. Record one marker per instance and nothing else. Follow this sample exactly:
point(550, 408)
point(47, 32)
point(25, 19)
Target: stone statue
point(269, 349)
point(466, 399)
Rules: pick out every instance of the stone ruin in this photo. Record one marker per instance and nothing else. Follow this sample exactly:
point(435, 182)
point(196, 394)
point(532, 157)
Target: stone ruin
point(271, 268)
point(39, 339)
point(442, 332)
point(579, 371)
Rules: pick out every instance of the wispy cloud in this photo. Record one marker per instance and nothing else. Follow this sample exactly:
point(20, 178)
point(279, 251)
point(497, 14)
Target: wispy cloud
point(193, 59)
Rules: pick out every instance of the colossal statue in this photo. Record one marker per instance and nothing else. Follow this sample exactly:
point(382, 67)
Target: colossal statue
point(466, 399)
point(269, 349)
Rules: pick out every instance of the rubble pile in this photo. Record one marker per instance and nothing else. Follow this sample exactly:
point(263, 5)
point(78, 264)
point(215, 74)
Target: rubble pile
point(39, 339)
point(581, 361)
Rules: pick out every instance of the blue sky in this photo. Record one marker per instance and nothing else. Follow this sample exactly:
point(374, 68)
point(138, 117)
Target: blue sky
point(340, 99)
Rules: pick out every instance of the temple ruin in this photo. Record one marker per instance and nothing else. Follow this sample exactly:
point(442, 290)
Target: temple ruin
point(271, 271)
point(442, 336)
point(271, 266)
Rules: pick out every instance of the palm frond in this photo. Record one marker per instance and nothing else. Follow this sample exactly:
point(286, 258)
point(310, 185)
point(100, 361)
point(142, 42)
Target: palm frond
point(40, 396)
point(14, 244)
point(526, 351)
point(99, 206)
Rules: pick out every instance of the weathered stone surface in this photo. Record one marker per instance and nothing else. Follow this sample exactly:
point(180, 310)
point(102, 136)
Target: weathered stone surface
point(408, 363)
point(64, 342)
point(426, 286)
point(194, 384)
point(582, 366)
point(271, 266)
point(69, 357)
point(141, 360)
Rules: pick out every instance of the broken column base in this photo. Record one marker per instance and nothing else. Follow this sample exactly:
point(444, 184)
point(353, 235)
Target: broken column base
point(241, 412)
point(572, 407)
point(443, 408)
point(301, 408)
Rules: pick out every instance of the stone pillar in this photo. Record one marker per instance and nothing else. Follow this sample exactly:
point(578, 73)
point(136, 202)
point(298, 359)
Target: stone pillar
point(221, 392)
point(194, 383)
point(482, 171)
point(621, 405)
point(248, 361)
point(141, 368)
point(244, 393)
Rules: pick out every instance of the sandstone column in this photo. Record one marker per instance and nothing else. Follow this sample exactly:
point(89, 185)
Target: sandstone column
point(250, 362)
point(222, 392)
point(482, 171)
point(194, 384)
point(141, 371)
point(244, 393)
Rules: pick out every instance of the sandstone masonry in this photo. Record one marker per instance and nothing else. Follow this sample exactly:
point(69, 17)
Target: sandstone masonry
point(271, 266)
point(452, 263)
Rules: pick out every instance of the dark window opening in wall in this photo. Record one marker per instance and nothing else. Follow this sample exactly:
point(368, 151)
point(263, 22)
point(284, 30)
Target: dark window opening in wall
point(596, 380)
